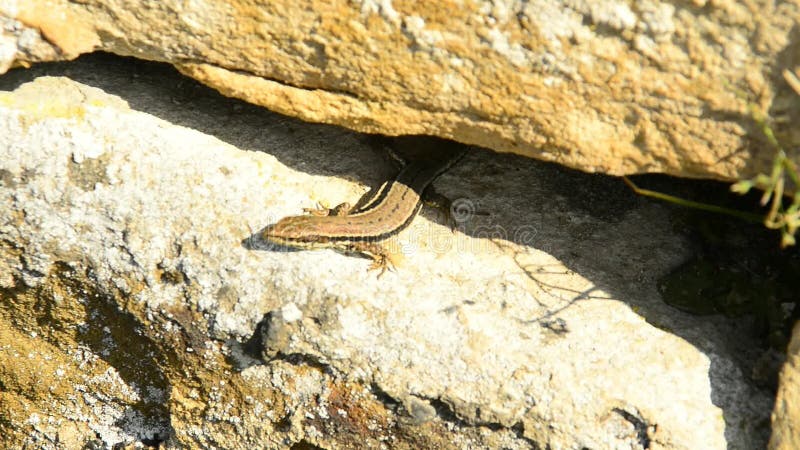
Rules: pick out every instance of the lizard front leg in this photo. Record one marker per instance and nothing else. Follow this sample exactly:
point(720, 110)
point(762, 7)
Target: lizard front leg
point(381, 258)
point(342, 209)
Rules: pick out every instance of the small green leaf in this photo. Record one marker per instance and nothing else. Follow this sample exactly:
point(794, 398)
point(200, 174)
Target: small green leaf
point(742, 187)
point(787, 240)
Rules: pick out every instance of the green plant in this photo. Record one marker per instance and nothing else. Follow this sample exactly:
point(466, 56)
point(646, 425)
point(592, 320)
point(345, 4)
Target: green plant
point(780, 217)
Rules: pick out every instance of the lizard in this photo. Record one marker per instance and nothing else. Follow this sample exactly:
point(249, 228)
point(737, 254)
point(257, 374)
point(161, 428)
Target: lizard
point(360, 230)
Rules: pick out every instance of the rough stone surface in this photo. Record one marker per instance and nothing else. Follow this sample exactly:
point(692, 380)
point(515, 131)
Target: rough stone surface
point(22, 45)
point(604, 86)
point(786, 415)
point(136, 306)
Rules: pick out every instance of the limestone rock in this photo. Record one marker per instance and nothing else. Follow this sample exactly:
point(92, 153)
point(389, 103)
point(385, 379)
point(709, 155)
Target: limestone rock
point(604, 86)
point(22, 45)
point(786, 416)
point(136, 306)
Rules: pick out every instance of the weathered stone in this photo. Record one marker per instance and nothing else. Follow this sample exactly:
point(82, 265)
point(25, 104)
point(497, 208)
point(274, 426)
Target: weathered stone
point(22, 45)
point(127, 240)
point(604, 86)
point(786, 415)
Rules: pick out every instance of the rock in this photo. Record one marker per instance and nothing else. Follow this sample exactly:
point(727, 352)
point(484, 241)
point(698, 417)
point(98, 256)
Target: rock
point(601, 86)
point(22, 45)
point(786, 415)
point(136, 305)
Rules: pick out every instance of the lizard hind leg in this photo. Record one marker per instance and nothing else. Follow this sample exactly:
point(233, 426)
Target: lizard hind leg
point(455, 212)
